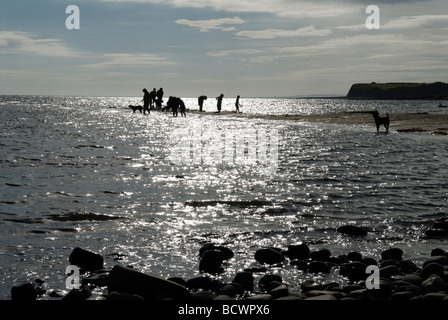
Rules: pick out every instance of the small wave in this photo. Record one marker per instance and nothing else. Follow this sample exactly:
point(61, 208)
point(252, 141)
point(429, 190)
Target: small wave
point(82, 216)
point(242, 204)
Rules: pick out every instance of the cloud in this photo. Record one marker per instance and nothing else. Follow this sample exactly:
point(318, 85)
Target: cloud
point(25, 42)
point(412, 22)
point(227, 53)
point(278, 33)
point(211, 24)
point(131, 60)
point(284, 8)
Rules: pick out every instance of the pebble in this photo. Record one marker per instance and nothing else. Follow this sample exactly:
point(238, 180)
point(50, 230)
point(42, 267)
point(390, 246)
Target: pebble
point(400, 279)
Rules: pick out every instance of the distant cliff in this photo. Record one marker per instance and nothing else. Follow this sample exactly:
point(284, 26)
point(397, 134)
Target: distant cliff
point(399, 91)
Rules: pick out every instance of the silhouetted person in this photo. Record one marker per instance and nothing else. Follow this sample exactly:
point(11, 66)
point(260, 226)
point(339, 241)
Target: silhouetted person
point(173, 103)
point(219, 102)
point(159, 98)
point(237, 104)
point(146, 101)
point(201, 102)
point(152, 96)
point(181, 107)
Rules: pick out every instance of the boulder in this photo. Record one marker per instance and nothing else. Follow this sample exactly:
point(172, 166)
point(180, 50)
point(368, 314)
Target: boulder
point(320, 255)
point(265, 280)
point(318, 267)
point(298, 251)
point(245, 279)
point(392, 254)
point(228, 253)
point(352, 230)
point(269, 256)
point(443, 260)
point(433, 284)
point(123, 279)
point(86, 260)
point(24, 292)
point(432, 268)
point(211, 261)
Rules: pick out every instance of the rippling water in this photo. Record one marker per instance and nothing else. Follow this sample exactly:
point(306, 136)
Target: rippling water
point(86, 172)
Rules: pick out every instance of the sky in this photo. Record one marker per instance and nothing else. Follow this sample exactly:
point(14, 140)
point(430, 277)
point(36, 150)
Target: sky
point(256, 48)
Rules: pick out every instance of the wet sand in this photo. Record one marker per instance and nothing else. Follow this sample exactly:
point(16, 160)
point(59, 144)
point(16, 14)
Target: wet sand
point(399, 122)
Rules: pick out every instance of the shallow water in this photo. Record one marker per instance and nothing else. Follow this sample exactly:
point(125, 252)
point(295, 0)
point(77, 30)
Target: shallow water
point(86, 172)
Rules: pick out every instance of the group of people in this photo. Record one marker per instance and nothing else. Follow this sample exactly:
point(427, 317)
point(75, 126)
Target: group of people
point(219, 102)
point(153, 100)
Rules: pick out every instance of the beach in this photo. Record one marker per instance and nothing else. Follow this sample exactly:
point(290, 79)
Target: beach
point(400, 122)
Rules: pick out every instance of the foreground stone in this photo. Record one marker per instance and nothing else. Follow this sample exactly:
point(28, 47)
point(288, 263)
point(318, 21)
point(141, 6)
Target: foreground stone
point(127, 280)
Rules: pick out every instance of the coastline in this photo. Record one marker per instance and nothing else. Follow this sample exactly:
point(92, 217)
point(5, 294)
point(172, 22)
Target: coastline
point(399, 122)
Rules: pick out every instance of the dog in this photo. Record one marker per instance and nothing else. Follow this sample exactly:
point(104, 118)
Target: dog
point(381, 121)
point(135, 108)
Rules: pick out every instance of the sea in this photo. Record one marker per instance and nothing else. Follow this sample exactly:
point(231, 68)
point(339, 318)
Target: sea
point(148, 191)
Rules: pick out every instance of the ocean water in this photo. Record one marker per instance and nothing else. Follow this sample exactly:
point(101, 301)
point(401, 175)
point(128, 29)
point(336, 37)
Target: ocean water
point(87, 172)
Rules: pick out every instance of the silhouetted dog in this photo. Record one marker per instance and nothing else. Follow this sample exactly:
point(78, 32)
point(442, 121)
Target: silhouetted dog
point(135, 108)
point(381, 121)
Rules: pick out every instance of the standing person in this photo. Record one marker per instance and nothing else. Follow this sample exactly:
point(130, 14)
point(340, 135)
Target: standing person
point(146, 101)
point(220, 102)
point(201, 102)
point(153, 98)
point(182, 107)
point(237, 104)
point(159, 98)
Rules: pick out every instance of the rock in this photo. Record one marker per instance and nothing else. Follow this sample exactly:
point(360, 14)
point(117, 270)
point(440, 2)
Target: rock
point(436, 233)
point(355, 271)
point(389, 271)
point(392, 254)
point(261, 296)
point(352, 230)
point(299, 264)
point(228, 290)
point(407, 266)
point(211, 261)
point(298, 251)
point(265, 280)
point(123, 296)
point(414, 279)
point(202, 296)
point(280, 291)
point(228, 253)
point(199, 283)
point(245, 279)
point(78, 294)
point(355, 256)
point(435, 296)
point(433, 284)
point(269, 256)
point(403, 296)
point(441, 223)
point(24, 292)
point(123, 279)
point(438, 252)
point(86, 260)
point(320, 255)
point(443, 260)
point(318, 267)
point(401, 286)
point(223, 297)
point(432, 268)
point(324, 297)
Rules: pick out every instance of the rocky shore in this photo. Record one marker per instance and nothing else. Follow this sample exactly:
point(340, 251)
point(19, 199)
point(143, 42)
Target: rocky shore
point(389, 277)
